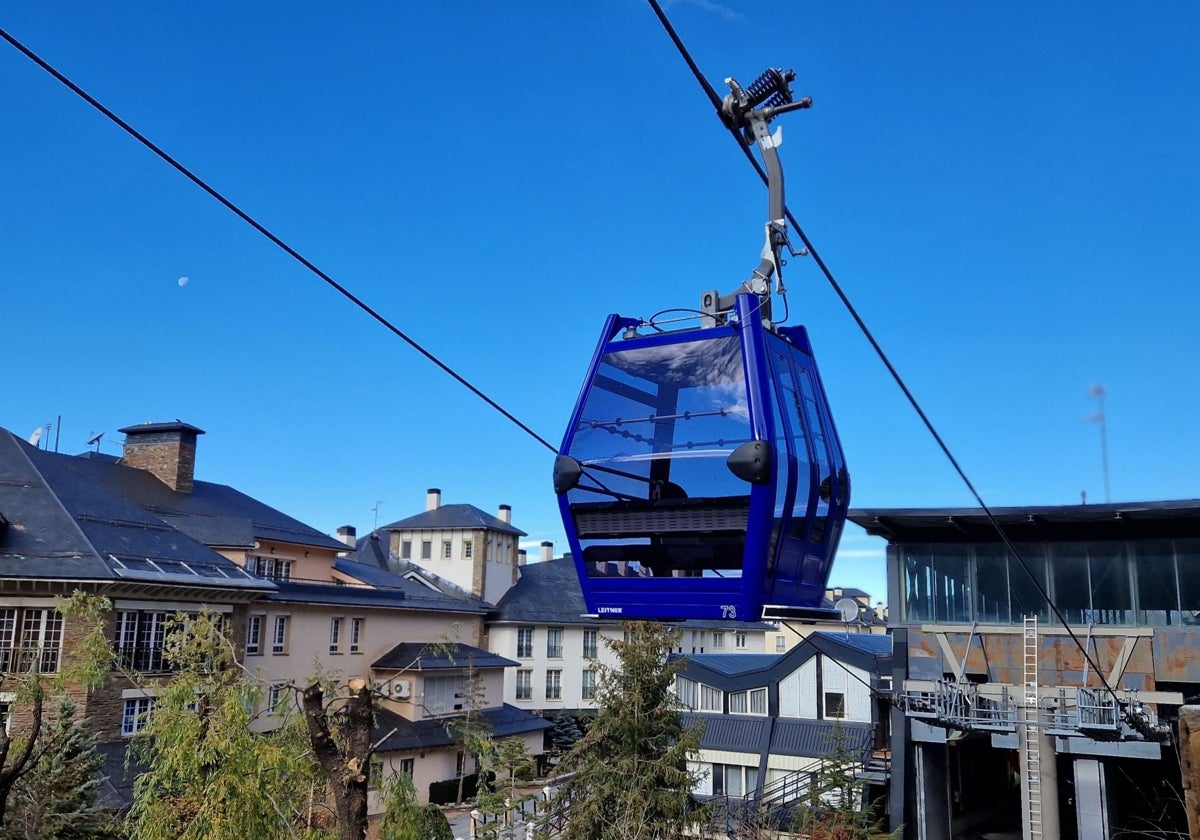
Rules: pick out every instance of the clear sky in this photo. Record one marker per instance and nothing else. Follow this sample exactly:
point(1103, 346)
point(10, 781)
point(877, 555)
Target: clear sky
point(1007, 192)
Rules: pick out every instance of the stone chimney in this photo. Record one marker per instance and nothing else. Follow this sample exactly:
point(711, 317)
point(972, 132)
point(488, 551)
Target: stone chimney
point(547, 551)
point(348, 534)
point(433, 498)
point(167, 450)
point(505, 514)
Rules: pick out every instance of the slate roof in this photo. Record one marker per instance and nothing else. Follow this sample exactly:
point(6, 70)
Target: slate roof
point(64, 525)
point(780, 736)
point(430, 656)
point(394, 733)
point(737, 671)
point(874, 644)
point(453, 516)
point(214, 514)
point(370, 563)
point(546, 592)
point(396, 594)
point(732, 664)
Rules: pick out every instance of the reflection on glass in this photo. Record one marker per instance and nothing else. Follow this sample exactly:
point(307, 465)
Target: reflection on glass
point(655, 431)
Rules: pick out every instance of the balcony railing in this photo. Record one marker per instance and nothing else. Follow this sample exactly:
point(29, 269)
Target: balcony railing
point(29, 660)
point(145, 658)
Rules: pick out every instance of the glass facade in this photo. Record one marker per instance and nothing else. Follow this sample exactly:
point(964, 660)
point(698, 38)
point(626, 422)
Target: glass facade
point(1119, 583)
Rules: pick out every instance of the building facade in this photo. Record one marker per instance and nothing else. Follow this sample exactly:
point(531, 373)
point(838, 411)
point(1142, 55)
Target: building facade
point(1038, 681)
point(771, 721)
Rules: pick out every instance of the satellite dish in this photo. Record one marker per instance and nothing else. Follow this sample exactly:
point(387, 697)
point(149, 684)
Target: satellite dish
point(94, 440)
point(36, 436)
point(848, 607)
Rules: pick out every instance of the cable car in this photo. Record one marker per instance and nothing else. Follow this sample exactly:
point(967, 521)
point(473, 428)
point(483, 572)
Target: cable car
point(701, 475)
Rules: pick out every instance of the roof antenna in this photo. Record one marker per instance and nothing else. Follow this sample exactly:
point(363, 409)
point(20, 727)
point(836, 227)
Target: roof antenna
point(375, 510)
point(848, 607)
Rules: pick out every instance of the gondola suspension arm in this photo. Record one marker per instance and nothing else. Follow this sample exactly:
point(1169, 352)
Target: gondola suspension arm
point(747, 112)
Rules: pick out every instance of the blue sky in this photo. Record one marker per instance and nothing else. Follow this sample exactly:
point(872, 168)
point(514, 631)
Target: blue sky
point(1008, 194)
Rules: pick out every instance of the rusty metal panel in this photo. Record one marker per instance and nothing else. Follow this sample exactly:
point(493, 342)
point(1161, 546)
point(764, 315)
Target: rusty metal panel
point(1177, 654)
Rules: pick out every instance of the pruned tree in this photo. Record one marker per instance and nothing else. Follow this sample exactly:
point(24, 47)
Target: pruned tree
point(630, 778)
point(340, 735)
point(34, 680)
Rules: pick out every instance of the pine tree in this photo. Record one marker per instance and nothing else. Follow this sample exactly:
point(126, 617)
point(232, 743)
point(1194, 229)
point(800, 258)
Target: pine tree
point(837, 810)
point(21, 756)
point(57, 799)
point(630, 774)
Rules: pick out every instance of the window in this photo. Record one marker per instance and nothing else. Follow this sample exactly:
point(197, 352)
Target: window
point(30, 640)
point(758, 701)
point(739, 641)
point(406, 767)
point(406, 550)
point(737, 703)
point(718, 640)
point(140, 638)
point(591, 640)
point(711, 699)
point(136, 714)
point(271, 568)
point(554, 647)
point(426, 549)
point(734, 780)
point(554, 685)
point(780, 644)
point(468, 549)
point(447, 549)
point(254, 628)
point(524, 684)
point(444, 695)
point(753, 702)
point(356, 635)
point(275, 701)
point(375, 774)
point(589, 685)
point(335, 635)
point(835, 704)
point(688, 692)
point(279, 638)
point(524, 642)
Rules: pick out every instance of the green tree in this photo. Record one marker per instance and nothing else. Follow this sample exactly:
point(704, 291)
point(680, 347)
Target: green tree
point(837, 809)
point(86, 668)
point(630, 775)
point(57, 798)
point(471, 730)
point(404, 819)
point(209, 776)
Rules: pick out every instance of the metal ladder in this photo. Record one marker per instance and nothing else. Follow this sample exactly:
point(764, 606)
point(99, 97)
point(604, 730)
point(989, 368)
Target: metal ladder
point(1030, 735)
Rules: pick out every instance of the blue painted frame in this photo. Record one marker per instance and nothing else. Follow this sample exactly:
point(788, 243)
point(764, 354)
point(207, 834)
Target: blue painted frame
point(786, 558)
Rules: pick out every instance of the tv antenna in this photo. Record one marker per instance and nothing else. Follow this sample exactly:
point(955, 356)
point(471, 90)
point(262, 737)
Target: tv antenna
point(375, 510)
point(1097, 391)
